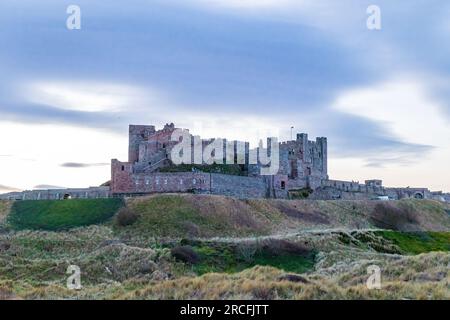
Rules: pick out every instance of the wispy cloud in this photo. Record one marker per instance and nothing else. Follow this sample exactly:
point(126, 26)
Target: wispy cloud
point(47, 186)
point(86, 96)
point(83, 165)
point(251, 4)
point(4, 188)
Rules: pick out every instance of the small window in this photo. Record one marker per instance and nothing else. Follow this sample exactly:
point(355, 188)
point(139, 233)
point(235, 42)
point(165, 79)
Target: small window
point(123, 168)
point(283, 185)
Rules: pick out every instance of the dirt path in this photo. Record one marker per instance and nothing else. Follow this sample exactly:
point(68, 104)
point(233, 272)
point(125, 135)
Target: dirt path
point(288, 235)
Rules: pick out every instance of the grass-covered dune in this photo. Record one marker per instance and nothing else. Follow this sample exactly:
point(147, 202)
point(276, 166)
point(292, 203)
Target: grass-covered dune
point(61, 215)
point(211, 247)
point(204, 216)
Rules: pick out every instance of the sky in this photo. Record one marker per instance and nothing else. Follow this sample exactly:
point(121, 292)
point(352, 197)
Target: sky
point(234, 69)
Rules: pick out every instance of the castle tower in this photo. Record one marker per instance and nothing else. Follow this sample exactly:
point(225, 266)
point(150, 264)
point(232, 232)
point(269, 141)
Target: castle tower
point(303, 139)
point(137, 134)
point(323, 154)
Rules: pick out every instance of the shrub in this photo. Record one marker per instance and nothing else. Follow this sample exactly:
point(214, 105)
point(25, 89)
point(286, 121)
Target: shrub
point(277, 247)
point(388, 216)
point(5, 246)
point(293, 278)
point(126, 217)
point(300, 194)
point(185, 254)
point(246, 251)
point(192, 230)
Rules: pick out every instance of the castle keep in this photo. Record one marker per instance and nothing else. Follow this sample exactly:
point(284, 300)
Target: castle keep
point(149, 169)
point(228, 168)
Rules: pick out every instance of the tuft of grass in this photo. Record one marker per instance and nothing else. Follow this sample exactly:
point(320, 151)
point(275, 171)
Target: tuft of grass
point(5, 207)
point(57, 215)
point(418, 242)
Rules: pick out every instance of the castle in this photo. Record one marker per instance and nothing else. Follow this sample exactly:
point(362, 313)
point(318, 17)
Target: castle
point(302, 171)
point(302, 164)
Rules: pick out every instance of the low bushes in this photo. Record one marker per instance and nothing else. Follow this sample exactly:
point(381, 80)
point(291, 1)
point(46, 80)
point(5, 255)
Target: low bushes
point(185, 254)
point(126, 217)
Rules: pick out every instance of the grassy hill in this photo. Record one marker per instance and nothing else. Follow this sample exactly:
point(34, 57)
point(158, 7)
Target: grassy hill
point(187, 215)
point(217, 216)
point(212, 247)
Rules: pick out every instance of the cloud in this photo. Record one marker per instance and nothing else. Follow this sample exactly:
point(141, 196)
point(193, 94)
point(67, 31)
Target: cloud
point(403, 105)
point(386, 161)
point(47, 186)
point(85, 96)
point(83, 165)
point(24, 112)
point(4, 188)
point(353, 136)
point(250, 4)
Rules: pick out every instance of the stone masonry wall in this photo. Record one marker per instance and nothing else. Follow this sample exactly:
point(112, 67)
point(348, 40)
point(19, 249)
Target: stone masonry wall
point(238, 186)
point(59, 194)
point(124, 182)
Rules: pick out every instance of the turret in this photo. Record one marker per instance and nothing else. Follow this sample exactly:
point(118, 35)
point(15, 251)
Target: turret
point(322, 145)
point(137, 134)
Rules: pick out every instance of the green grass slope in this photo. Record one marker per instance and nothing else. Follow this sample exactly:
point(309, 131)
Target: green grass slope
point(203, 216)
point(192, 216)
point(61, 215)
point(418, 242)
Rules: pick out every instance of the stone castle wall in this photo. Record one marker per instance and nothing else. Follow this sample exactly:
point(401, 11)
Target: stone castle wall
point(125, 182)
point(59, 194)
